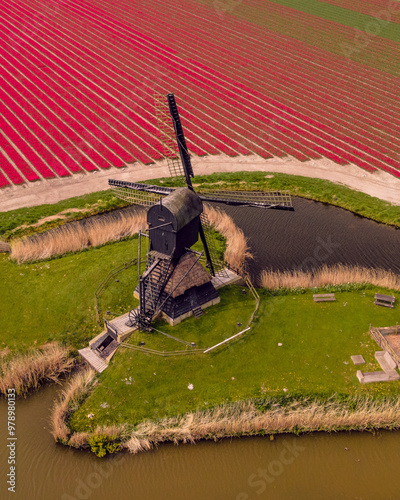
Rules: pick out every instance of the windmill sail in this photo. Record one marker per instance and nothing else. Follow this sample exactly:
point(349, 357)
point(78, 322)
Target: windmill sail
point(280, 200)
point(166, 135)
point(148, 195)
point(138, 193)
point(180, 139)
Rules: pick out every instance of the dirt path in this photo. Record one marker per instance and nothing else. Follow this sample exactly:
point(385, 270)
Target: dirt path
point(378, 184)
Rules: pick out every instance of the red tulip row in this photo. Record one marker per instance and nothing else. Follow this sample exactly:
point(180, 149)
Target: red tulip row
point(78, 94)
point(323, 105)
point(335, 112)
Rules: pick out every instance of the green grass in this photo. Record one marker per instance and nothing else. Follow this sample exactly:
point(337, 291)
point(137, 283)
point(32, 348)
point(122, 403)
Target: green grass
point(340, 15)
point(314, 359)
point(92, 203)
point(54, 300)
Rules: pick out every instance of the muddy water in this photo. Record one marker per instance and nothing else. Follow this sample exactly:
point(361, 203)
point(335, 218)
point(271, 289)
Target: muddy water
point(313, 235)
point(340, 466)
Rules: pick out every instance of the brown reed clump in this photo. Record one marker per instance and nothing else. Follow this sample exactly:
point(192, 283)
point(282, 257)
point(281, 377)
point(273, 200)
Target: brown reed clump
point(28, 371)
point(69, 400)
point(335, 275)
point(237, 249)
point(77, 440)
point(81, 439)
point(243, 418)
point(76, 236)
point(4, 247)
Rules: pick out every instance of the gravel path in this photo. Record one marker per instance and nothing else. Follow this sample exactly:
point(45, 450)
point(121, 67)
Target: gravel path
point(378, 184)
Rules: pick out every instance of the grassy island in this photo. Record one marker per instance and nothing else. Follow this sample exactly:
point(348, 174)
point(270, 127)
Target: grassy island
point(295, 359)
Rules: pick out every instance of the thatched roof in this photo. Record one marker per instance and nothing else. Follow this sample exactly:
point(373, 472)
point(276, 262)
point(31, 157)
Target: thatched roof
point(197, 275)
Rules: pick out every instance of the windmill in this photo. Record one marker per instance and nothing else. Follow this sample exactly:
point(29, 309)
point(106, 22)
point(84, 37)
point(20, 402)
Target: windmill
point(174, 281)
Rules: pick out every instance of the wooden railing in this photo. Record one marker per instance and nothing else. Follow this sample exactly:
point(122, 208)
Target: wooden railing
point(146, 350)
point(100, 289)
point(382, 342)
point(255, 295)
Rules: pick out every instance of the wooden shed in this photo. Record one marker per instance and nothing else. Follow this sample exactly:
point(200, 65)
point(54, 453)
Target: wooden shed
point(174, 222)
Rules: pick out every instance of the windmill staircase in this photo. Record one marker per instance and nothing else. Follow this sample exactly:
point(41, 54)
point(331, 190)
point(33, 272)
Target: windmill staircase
point(158, 271)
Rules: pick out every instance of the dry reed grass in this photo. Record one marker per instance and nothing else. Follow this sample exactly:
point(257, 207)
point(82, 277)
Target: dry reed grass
point(77, 440)
point(69, 400)
point(28, 371)
point(243, 418)
point(237, 249)
point(335, 275)
point(75, 237)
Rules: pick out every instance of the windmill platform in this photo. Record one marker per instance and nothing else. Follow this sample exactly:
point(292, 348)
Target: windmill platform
point(224, 278)
point(93, 359)
point(103, 347)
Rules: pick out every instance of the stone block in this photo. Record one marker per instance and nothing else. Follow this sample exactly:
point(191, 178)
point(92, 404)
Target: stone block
point(369, 377)
point(385, 360)
point(358, 359)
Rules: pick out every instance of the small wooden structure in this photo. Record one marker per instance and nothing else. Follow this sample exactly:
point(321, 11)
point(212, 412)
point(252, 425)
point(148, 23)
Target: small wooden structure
point(384, 300)
point(93, 359)
point(324, 297)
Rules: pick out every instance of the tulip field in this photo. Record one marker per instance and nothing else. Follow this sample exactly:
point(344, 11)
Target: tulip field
point(308, 80)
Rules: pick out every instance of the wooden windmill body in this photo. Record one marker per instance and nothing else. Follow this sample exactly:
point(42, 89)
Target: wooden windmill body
point(175, 283)
point(186, 286)
point(174, 222)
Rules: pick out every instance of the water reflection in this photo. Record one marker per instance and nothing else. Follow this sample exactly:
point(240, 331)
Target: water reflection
point(313, 235)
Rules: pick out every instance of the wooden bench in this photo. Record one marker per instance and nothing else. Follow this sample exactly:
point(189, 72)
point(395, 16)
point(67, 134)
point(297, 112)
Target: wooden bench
point(324, 297)
point(384, 300)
